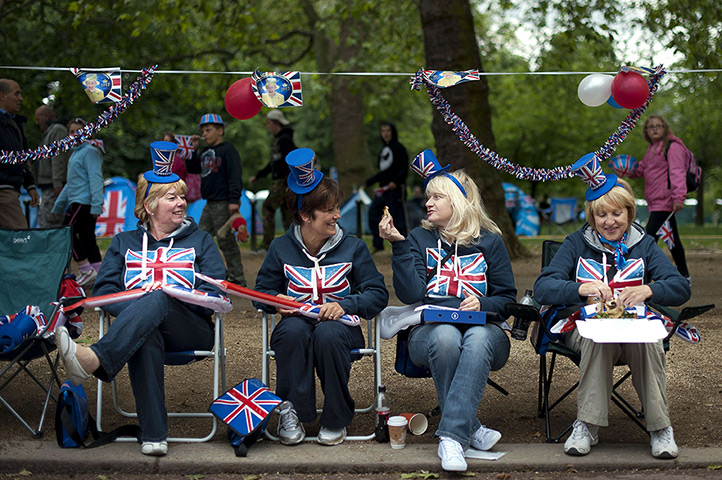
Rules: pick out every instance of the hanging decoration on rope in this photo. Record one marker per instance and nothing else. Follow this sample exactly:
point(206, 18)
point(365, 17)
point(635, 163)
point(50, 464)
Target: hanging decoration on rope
point(448, 78)
point(540, 174)
point(278, 89)
point(100, 86)
point(85, 133)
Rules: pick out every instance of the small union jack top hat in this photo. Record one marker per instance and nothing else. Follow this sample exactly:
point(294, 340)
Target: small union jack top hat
point(590, 170)
point(211, 118)
point(163, 154)
point(303, 177)
point(426, 165)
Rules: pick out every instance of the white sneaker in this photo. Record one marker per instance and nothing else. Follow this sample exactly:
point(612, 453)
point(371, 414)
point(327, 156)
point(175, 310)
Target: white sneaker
point(583, 437)
point(290, 430)
point(67, 348)
point(484, 438)
point(86, 277)
point(663, 445)
point(331, 436)
point(154, 449)
point(451, 454)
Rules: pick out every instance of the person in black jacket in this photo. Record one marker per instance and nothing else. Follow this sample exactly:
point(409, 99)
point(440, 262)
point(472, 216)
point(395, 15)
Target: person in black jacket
point(12, 176)
point(393, 164)
point(282, 145)
point(220, 167)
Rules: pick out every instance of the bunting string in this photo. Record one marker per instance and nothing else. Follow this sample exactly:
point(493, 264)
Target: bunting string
point(527, 173)
point(84, 134)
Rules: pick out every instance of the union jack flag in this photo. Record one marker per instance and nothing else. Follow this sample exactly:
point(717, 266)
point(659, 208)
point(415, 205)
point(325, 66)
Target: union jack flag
point(289, 85)
point(469, 276)
point(631, 274)
point(171, 266)
point(425, 164)
point(306, 173)
point(592, 174)
point(163, 160)
point(330, 282)
point(185, 147)
point(112, 220)
point(665, 231)
point(245, 406)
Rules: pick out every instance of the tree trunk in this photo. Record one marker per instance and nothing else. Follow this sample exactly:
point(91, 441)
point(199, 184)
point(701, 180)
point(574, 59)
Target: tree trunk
point(450, 44)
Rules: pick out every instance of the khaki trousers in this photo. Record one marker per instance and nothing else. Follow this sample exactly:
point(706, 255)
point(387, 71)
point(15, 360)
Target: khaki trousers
point(11, 213)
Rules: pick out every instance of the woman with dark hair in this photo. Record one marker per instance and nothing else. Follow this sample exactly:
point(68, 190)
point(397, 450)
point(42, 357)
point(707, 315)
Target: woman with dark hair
point(317, 262)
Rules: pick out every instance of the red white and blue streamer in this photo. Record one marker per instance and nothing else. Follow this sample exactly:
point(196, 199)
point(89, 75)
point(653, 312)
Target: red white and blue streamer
point(528, 173)
point(84, 134)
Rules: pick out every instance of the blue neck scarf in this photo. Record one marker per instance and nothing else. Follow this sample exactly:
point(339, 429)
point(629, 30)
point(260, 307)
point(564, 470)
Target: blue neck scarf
point(620, 248)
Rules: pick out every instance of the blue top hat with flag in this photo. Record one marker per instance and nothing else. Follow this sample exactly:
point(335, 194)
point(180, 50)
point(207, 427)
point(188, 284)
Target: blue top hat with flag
point(303, 177)
point(162, 154)
point(211, 118)
point(590, 170)
point(426, 165)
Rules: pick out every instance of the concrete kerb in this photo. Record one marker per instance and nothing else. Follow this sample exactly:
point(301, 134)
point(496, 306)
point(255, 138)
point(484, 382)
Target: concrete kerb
point(362, 458)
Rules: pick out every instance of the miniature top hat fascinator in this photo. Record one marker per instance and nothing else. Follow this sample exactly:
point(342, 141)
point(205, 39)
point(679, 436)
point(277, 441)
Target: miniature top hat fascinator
point(303, 177)
point(590, 170)
point(426, 165)
point(162, 154)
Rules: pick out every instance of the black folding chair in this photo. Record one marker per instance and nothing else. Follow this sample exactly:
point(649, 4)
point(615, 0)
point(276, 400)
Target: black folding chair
point(546, 344)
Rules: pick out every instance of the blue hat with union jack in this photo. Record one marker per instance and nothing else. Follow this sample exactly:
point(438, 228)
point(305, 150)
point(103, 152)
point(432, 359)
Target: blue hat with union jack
point(303, 177)
point(162, 154)
point(589, 169)
point(426, 165)
point(211, 118)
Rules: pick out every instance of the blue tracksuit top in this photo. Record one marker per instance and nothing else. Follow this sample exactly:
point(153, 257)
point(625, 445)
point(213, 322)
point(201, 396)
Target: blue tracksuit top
point(342, 272)
point(482, 269)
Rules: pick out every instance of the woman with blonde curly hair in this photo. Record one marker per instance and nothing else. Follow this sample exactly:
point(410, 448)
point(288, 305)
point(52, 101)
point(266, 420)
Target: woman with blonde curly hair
point(455, 259)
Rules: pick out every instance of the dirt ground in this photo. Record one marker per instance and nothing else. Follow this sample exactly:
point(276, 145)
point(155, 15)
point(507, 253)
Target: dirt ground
point(694, 376)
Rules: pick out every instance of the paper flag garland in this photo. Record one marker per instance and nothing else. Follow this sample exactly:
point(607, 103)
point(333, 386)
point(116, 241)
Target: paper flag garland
point(100, 86)
point(448, 78)
point(278, 89)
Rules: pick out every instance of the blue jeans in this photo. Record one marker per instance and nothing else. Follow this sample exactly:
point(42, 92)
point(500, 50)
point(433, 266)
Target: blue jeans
point(460, 360)
point(303, 345)
point(140, 335)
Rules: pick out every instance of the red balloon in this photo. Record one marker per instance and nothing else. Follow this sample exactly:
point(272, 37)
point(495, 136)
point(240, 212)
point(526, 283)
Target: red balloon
point(240, 101)
point(630, 90)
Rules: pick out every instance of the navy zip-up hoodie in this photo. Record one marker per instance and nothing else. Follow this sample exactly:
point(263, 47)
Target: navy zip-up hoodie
point(557, 283)
point(348, 272)
point(208, 261)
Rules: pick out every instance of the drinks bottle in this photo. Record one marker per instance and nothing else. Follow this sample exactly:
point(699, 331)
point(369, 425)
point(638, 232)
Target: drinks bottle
point(382, 415)
point(521, 325)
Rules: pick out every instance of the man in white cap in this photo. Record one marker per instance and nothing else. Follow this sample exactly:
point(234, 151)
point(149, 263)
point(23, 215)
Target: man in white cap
point(282, 145)
point(221, 185)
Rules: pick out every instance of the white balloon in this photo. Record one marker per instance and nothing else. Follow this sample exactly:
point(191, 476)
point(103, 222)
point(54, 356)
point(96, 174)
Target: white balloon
point(594, 90)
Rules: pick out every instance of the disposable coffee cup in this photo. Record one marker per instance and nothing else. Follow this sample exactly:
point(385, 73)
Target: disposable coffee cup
point(416, 423)
point(397, 431)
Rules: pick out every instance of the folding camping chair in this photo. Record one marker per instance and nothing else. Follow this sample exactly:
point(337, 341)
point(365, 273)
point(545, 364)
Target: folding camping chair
point(32, 264)
point(372, 349)
point(562, 210)
point(218, 354)
point(548, 344)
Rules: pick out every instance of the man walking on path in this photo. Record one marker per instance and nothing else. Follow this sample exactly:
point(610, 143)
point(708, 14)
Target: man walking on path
point(51, 172)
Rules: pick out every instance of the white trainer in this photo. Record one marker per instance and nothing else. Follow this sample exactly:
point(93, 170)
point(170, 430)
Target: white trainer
point(290, 430)
point(154, 449)
point(484, 438)
point(583, 437)
point(663, 444)
point(451, 454)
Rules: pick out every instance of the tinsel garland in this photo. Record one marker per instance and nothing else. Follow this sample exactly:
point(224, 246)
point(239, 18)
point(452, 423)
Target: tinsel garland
point(84, 134)
point(528, 173)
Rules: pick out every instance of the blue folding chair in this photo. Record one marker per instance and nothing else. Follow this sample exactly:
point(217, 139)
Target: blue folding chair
point(32, 265)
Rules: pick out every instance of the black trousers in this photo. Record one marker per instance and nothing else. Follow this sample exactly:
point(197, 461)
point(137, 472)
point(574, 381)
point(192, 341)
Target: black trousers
point(394, 200)
point(84, 245)
point(656, 219)
point(303, 345)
